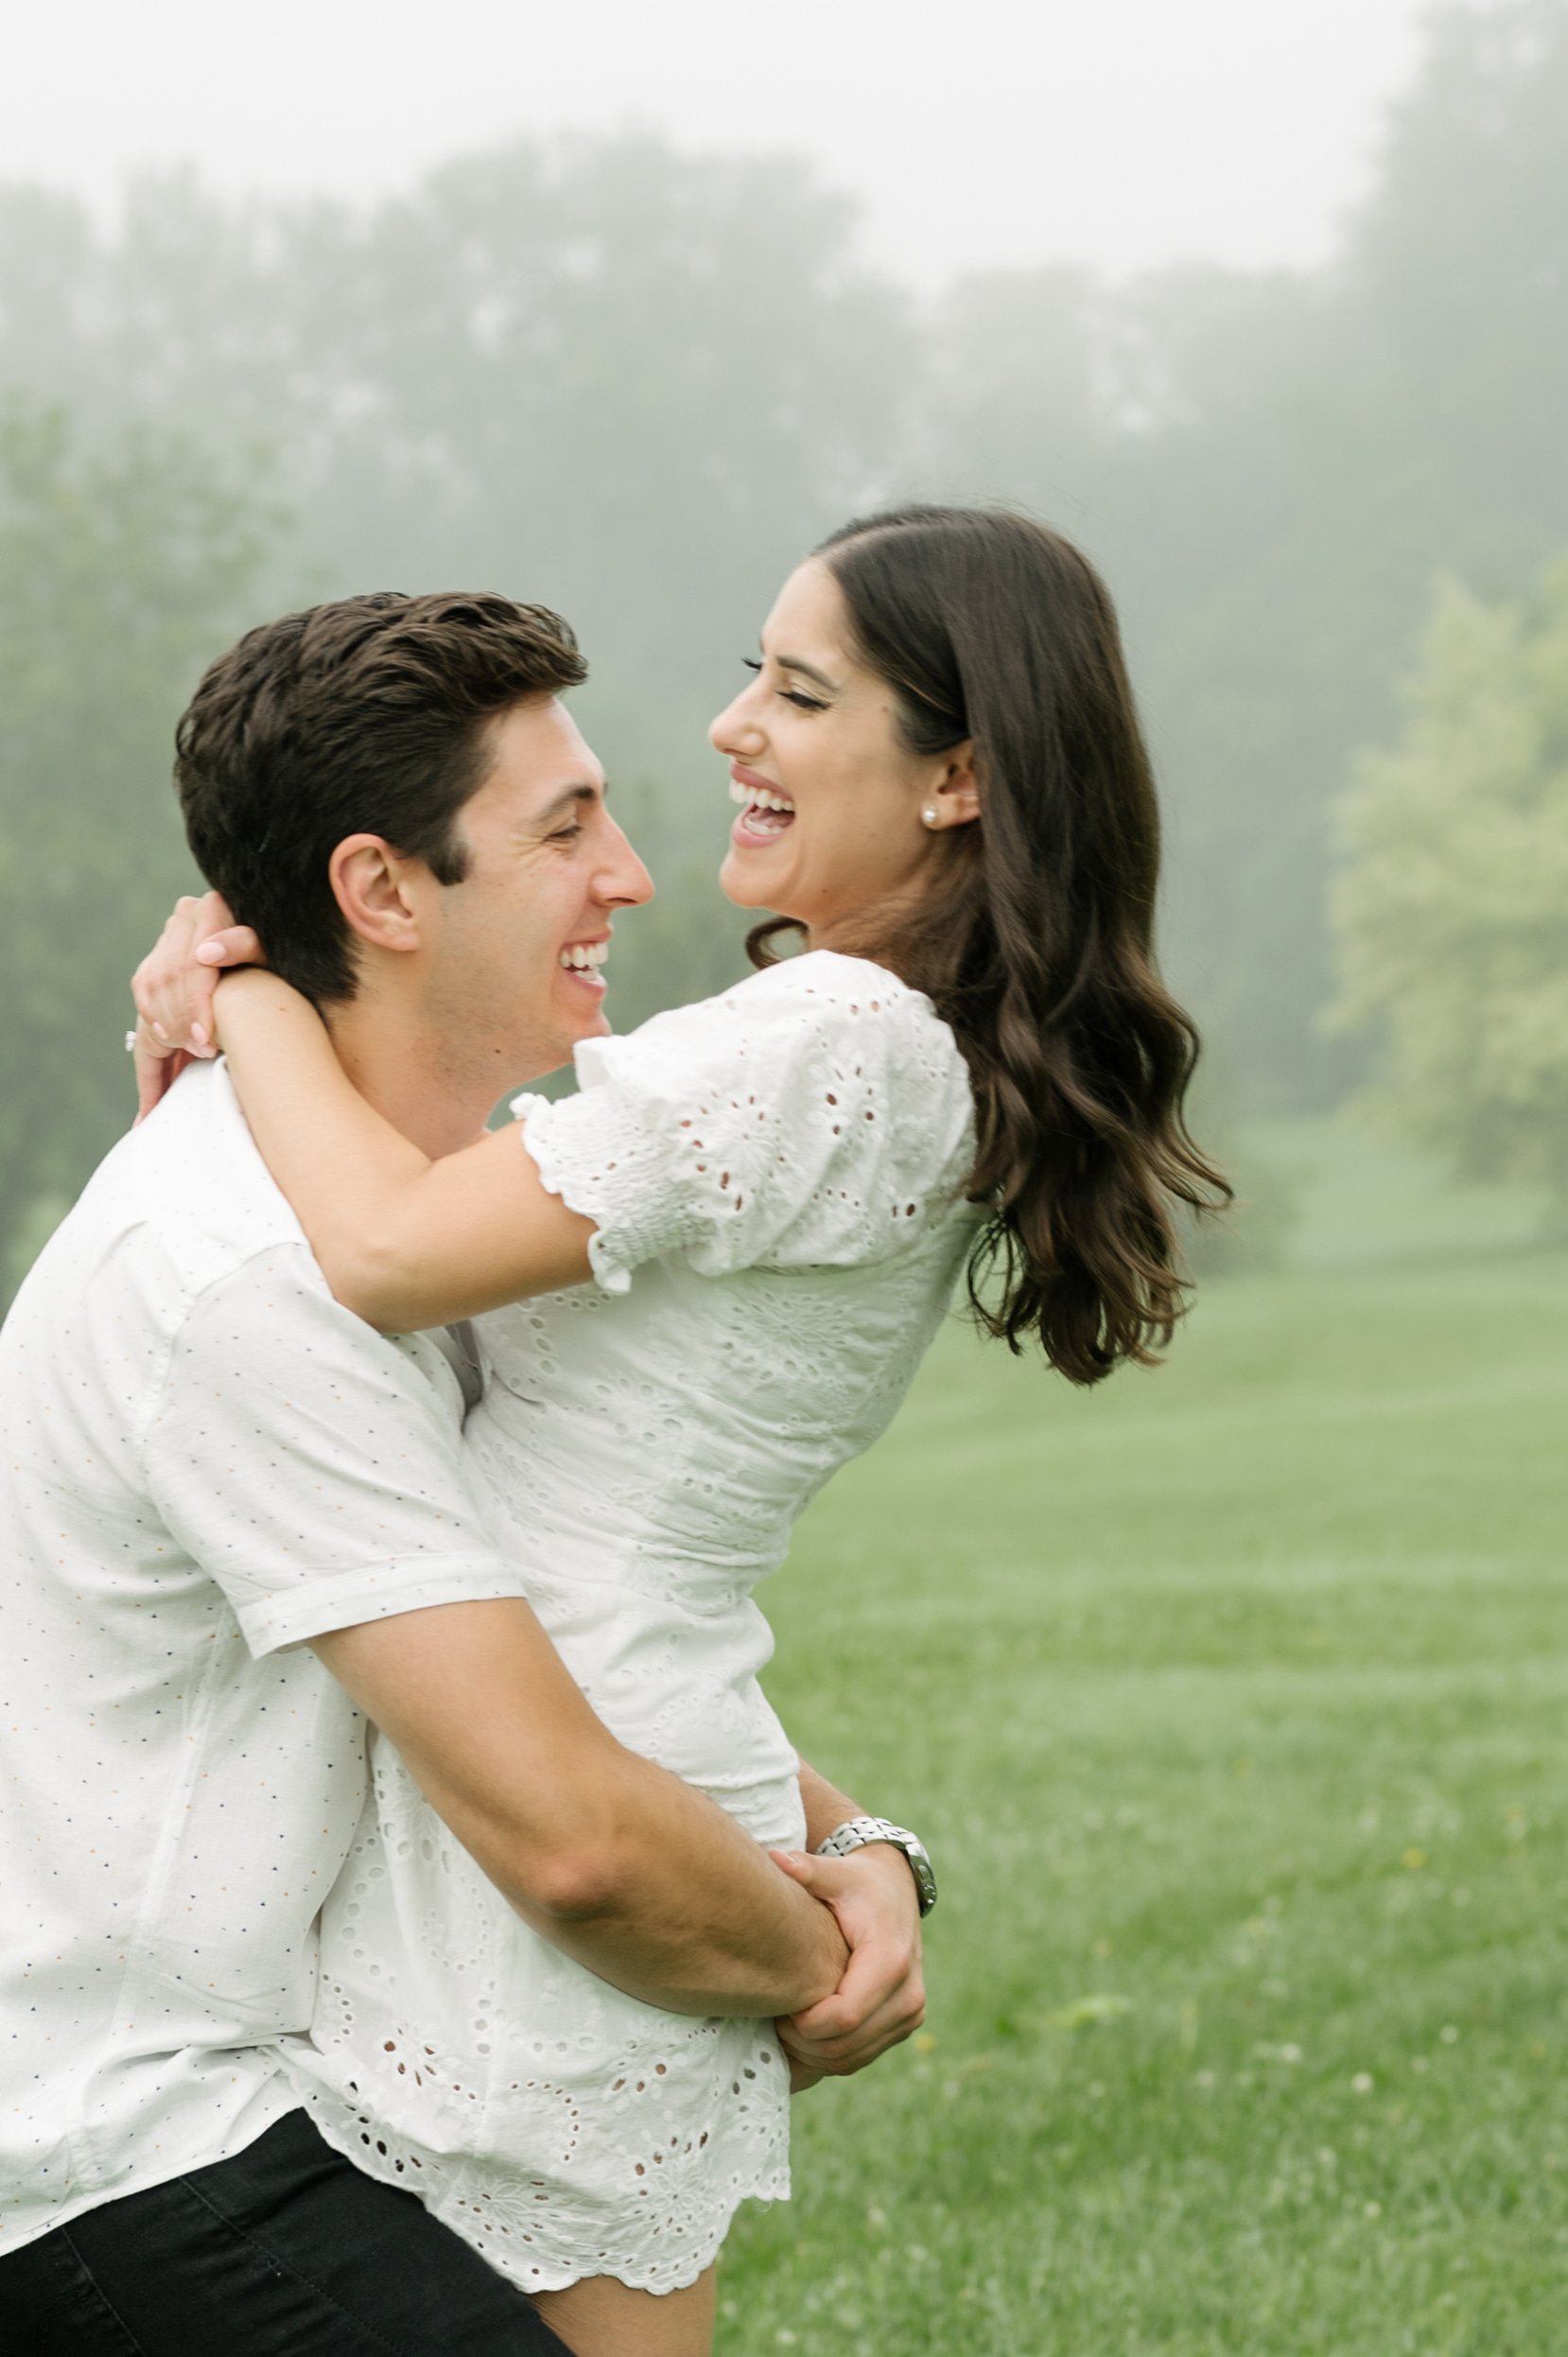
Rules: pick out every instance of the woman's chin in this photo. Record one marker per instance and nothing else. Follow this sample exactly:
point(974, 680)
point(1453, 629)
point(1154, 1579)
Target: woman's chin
point(739, 881)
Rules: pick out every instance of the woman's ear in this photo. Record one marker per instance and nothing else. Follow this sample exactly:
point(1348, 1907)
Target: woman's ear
point(371, 884)
point(957, 800)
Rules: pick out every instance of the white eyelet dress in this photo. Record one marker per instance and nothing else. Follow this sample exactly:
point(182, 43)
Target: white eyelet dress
point(783, 1167)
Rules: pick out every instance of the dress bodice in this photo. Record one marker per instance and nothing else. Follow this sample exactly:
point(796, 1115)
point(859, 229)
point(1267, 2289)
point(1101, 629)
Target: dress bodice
point(778, 1181)
point(679, 1430)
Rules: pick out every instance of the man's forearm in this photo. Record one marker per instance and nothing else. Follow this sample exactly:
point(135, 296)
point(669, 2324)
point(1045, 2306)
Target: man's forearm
point(655, 1931)
point(677, 1905)
point(639, 1876)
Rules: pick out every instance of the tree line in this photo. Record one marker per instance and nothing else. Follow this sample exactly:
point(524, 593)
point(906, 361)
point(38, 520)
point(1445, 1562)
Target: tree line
point(637, 384)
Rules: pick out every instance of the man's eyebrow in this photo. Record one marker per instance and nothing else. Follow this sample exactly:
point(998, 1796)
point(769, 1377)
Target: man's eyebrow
point(807, 670)
point(568, 797)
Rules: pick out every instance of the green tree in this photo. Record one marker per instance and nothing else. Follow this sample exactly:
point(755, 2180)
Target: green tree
point(635, 383)
point(1273, 468)
point(122, 572)
point(1451, 907)
point(632, 383)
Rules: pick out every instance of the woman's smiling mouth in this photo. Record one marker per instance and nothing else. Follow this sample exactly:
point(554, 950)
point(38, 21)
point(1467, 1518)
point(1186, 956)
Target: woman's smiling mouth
point(764, 814)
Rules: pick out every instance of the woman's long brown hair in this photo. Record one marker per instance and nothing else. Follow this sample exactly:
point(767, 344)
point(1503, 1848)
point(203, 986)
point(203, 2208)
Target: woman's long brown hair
point(1037, 947)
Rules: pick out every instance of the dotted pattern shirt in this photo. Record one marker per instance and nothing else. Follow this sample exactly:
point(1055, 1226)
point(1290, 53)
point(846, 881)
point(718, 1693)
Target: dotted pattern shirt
point(204, 1461)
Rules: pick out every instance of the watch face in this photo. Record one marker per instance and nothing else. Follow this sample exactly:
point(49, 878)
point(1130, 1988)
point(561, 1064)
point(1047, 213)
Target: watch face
point(925, 1881)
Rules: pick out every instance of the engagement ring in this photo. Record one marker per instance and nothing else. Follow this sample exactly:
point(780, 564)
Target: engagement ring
point(131, 1044)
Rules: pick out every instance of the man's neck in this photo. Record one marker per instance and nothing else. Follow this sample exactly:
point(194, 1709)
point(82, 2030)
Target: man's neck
point(412, 1079)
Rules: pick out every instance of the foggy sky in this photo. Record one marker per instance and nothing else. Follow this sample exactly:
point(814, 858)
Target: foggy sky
point(1121, 132)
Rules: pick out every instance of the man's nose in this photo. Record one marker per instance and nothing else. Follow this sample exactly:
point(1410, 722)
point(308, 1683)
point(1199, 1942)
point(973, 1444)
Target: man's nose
point(624, 879)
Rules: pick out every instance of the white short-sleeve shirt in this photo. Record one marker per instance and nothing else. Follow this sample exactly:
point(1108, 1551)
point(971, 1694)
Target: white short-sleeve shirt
point(204, 1460)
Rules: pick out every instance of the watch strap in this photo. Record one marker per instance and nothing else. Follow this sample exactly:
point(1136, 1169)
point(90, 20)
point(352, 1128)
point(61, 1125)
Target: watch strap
point(859, 1833)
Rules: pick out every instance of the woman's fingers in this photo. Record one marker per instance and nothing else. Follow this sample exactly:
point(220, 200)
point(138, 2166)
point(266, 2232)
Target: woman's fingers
point(158, 1067)
point(174, 983)
point(220, 953)
point(232, 945)
point(173, 987)
point(161, 984)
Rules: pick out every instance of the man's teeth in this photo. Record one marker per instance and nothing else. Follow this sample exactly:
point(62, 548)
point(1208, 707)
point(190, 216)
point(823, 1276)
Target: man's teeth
point(585, 955)
point(757, 797)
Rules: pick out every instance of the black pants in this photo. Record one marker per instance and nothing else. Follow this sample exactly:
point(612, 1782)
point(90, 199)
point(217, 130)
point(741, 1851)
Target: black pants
point(284, 2251)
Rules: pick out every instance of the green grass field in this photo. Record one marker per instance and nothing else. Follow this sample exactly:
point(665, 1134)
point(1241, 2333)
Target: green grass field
point(1233, 1699)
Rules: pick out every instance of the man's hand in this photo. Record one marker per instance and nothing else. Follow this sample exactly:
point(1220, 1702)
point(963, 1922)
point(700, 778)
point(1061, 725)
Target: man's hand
point(881, 1998)
point(173, 990)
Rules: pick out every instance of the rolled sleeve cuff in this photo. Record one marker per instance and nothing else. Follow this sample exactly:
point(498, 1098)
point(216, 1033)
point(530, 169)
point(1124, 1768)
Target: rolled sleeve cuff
point(272, 1624)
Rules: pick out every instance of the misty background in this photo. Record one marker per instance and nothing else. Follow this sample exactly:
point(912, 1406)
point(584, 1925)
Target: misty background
point(621, 312)
point(1232, 1696)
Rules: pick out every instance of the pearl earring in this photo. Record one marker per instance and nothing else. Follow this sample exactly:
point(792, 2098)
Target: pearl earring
point(930, 814)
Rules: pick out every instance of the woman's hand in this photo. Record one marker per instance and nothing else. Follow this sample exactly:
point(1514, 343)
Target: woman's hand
point(881, 1999)
point(173, 990)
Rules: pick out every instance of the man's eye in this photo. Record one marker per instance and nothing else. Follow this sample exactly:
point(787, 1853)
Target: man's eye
point(567, 834)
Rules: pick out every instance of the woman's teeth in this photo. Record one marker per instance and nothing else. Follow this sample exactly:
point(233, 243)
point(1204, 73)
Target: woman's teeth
point(766, 813)
point(585, 956)
point(758, 798)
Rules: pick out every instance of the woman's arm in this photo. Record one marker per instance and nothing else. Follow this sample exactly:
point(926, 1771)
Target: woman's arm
point(403, 1241)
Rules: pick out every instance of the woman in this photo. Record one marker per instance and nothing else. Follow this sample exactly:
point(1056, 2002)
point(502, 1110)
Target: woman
point(944, 791)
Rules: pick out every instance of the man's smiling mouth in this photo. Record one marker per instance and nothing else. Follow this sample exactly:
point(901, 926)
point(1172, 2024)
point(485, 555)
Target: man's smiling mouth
point(583, 960)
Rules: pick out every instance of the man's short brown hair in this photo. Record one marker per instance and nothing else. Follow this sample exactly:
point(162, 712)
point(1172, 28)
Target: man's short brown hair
point(368, 716)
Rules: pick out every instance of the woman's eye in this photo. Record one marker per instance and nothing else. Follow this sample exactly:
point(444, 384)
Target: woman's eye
point(790, 695)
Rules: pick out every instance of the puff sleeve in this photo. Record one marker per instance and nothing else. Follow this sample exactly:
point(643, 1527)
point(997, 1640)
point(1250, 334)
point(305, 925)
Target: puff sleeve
point(817, 1114)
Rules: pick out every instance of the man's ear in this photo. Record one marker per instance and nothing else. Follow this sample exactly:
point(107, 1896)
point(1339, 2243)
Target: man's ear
point(371, 883)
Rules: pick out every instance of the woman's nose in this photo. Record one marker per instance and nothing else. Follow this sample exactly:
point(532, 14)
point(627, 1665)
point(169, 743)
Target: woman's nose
point(735, 729)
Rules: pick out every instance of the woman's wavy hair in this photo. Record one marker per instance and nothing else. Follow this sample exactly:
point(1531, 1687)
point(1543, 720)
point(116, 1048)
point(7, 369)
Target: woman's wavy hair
point(1037, 944)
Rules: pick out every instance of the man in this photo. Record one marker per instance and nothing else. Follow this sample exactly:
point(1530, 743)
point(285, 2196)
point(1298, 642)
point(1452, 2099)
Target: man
point(236, 1525)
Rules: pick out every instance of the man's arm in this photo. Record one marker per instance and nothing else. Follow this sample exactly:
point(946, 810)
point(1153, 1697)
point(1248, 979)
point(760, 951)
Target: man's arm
point(312, 1470)
point(635, 1875)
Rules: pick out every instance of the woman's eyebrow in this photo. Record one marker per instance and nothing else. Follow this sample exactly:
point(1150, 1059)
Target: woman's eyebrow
point(807, 670)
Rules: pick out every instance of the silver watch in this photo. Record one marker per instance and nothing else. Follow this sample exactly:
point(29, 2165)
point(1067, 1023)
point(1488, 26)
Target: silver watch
point(861, 1831)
